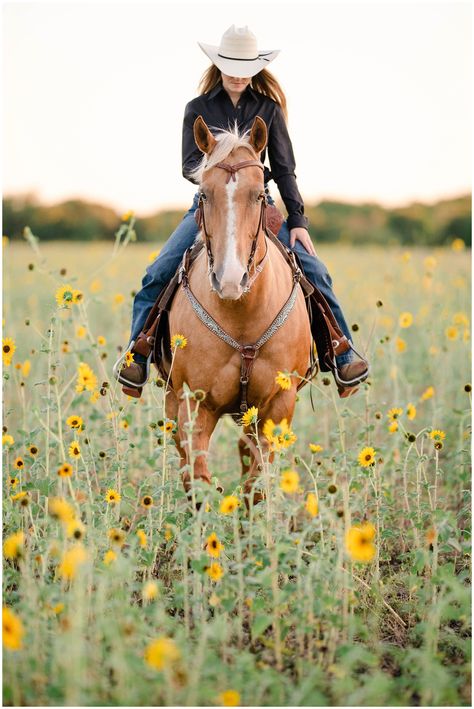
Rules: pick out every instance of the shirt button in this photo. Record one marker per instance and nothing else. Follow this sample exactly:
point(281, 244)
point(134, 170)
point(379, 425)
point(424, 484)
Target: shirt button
point(238, 106)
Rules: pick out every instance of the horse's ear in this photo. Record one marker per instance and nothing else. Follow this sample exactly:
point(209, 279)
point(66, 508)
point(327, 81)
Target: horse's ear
point(203, 136)
point(258, 135)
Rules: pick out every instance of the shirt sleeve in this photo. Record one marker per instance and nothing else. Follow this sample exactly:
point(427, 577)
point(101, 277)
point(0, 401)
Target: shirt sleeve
point(191, 155)
point(282, 164)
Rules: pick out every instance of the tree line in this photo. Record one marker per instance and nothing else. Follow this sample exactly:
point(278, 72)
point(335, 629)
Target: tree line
point(330, 221)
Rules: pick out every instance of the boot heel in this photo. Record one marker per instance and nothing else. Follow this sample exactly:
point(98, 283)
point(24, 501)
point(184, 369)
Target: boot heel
point(136, 392)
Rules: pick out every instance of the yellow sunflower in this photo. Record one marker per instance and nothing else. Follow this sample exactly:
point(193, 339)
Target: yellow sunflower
point(289, 481)
point(215, 571)
point(283, 380)
point(366, 457)
point(359, 542)
point(250, 416)
point(12, 630)
point(213, 546)
point(228, 505)
point(178, 342)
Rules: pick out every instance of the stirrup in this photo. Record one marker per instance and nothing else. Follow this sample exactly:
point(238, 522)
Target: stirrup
point(355, 381)
point(123, 380)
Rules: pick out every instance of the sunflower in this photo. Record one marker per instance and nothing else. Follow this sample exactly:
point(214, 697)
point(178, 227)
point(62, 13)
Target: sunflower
point(228, 505)
point(19, 463)
point(278, 435)
point(81, 332)
point(150, 591)
point(75, 529)
point(393, 427)
point(394, 414)
point(112, 496)
point(437, 435)
point(13, 482)
point(315, 448)
point(289, 481)
point(70, 562)
point(400, 345)
point(60, 509)
point(101, 341)
point(405, 320)
point(147, 502)
point(283, 380)
point(129, 358)
point(8, 349)
point(74, 422)
point(77, 296)
point(458, 244)
point(213, 546)
point(127, 216)
point(250, 416)
point(359, 542)
point(142, 540)
point(74, 450)
point(428, 393)
point(86, 379)
point(117, 536)
point(411, 411)
point(13, 545)
point(461, 318)
point(366, 457)
point(25, 368)
point(33, 450)
point(65, 470)
point(312, 506)
point(451, 332)
point(178, 342)
point(64, 296)
point(109, 557)
point(65, 347)
point(153, 255)
point(21, 497)
point(162, 653)
point(7, 440)
point(119, 298)
point(229, 698)
point(12, 630)
point(215, 571)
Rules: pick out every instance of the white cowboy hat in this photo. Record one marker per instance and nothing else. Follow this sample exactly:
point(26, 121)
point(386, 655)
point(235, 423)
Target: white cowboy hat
point(237, 54)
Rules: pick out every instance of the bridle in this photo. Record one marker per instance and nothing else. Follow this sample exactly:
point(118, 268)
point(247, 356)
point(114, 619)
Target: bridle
point(199, 215)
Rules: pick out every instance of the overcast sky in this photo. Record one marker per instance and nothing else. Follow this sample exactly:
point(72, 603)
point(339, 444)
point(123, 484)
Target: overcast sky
point(379, 96)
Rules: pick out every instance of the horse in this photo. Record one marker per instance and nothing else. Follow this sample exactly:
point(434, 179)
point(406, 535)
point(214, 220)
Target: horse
point(242, 282)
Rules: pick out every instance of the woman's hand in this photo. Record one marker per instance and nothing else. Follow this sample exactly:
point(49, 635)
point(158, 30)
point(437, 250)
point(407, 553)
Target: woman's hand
point(302, 235)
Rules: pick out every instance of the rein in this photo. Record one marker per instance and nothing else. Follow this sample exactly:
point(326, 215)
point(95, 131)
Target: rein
point(248, 352)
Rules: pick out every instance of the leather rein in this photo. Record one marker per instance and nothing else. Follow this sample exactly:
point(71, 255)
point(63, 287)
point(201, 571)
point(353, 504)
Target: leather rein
point(248, 352)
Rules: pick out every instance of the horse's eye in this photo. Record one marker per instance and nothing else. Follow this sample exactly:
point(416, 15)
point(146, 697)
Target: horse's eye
point(203, 196)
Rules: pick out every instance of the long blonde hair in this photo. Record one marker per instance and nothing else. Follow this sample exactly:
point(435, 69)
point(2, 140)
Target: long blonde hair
point(264, 82)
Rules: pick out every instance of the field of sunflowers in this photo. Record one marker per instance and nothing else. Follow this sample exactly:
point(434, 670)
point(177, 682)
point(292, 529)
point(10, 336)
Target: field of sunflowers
point(348, 585)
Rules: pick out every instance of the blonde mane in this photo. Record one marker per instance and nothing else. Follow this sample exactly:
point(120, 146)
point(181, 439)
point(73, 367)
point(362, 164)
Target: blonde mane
point(227, 141)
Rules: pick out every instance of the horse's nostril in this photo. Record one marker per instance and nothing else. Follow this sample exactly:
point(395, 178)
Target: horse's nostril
point(244, 280)
point(215, 282)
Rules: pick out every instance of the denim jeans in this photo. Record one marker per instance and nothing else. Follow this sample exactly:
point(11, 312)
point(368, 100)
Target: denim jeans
point(161, 271)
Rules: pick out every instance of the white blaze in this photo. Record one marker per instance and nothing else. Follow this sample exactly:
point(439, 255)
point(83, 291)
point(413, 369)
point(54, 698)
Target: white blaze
point(232, 269)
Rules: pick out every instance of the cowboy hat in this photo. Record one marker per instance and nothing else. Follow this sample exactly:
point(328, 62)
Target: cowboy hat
point(237, 54)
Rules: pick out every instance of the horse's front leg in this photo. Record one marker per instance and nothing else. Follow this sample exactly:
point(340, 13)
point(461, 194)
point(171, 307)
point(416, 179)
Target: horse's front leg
point(195, 430)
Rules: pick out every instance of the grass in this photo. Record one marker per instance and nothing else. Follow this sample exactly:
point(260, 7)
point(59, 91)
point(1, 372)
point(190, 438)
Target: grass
point(105, 617)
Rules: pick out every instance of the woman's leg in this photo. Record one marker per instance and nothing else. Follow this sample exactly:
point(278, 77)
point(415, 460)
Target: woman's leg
point(316, 272)
point(163, 268)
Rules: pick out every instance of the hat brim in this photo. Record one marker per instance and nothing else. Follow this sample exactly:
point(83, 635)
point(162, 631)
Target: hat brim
point(242, 68)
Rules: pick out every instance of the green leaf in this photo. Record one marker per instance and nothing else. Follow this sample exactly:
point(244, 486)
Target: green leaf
point(260, 624)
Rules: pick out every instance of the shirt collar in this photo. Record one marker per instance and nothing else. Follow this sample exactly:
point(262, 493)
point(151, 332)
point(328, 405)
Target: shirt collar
point(249, 91)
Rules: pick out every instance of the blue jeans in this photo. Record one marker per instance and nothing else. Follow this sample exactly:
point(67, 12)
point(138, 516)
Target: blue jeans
point(160, 272)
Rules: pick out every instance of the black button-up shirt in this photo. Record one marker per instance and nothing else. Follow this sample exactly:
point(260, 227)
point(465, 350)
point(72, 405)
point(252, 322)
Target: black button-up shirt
point(218, 111)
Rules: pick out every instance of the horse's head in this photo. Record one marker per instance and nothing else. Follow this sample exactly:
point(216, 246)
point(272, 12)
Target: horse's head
point(232, 202)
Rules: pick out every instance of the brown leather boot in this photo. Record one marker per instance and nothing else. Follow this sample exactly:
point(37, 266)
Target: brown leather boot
point(134, 374)
point(357, 370)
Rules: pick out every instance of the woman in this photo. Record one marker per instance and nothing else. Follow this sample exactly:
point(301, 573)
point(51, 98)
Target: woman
point(236, 88)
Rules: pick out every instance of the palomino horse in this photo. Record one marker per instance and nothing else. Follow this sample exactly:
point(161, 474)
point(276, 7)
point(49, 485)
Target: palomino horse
point(243, 282)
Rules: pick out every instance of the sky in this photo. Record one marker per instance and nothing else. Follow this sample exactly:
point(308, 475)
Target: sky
point(379, 96)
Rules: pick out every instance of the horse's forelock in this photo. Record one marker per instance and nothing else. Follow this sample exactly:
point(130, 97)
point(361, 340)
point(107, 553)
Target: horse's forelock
point(227, 141)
